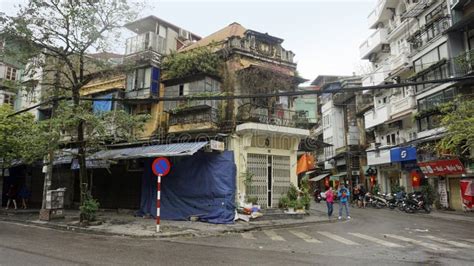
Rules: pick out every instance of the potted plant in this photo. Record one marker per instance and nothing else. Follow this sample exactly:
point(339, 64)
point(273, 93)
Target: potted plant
point(300, 206)
point(252, 199)
point(292, 205)
point(283, 203)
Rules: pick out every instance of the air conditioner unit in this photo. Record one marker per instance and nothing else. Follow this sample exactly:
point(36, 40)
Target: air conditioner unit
point(184, 34)
point(372, 57)
point(386, 48)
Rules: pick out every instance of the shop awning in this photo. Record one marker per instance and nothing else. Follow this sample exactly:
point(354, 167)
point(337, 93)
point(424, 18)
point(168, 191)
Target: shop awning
point(337, 176)
point(319, 177)
point(174, 149)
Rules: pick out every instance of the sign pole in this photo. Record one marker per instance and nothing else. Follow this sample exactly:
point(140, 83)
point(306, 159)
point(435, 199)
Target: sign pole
point(158, 203)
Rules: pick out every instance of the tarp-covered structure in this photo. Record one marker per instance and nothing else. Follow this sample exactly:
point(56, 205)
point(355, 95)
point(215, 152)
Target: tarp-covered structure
point(201, 185)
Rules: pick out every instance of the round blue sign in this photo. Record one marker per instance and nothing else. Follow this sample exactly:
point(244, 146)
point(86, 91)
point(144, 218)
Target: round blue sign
point(161, 166)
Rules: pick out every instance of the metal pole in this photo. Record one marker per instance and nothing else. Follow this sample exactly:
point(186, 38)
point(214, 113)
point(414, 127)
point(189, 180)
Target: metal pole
point(158, 203)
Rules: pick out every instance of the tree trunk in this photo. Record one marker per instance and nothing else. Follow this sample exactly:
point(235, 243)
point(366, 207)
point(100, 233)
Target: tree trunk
point(81, 149)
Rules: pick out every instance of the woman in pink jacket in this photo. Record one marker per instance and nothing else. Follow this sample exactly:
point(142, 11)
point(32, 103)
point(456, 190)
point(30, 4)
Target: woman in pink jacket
point(329, 201)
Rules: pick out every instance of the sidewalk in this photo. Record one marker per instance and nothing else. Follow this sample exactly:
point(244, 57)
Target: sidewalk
point(125, 224)
point(437, 214)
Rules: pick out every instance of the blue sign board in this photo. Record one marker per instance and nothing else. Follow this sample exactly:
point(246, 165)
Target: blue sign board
point(161, 166)
point(402, 154)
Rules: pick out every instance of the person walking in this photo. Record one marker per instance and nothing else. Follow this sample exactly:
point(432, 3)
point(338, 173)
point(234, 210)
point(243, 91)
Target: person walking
point(329, 195)
point(24, 196)
point(11, 196)
point(343, 194)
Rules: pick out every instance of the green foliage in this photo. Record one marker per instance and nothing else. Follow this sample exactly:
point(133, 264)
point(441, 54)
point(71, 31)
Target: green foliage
point(376, 189)
point(458, 119)
point(284, 201)
point(429, 193)
point(397, 188)
point(300, 204)
point(292, 203)
point(252, 199)
point(292, 192)
point(306, 201)
point(17, 134)
point(197, 61)
point(247, 178)
point(89, 208)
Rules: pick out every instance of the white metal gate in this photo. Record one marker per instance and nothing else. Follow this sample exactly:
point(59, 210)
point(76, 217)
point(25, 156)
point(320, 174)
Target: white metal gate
point(281, 177)
point(271, 178)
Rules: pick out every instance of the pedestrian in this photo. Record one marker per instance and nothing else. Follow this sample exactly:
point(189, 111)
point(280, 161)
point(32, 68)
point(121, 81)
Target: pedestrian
point(24, 196)
point(343, 194)
point(11, 196)
point(329, 195)
point(355, 196)
point(362, 196)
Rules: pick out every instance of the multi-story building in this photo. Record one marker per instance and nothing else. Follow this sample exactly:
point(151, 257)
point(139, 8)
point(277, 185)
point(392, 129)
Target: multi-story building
point(263, 133)
point(10, 71)
point(411, 43)
point(339, 128)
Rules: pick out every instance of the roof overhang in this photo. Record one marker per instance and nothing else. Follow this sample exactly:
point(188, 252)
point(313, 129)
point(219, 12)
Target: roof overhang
point(265, 129)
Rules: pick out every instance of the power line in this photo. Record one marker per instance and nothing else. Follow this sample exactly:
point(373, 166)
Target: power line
point(260, 95)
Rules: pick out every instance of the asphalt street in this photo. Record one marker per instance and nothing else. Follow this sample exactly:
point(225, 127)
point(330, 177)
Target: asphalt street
point(372, 237)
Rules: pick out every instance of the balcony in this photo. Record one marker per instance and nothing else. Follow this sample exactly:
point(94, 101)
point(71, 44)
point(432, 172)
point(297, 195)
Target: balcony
point(364, 102)
point(378, 156)
point(272, 116)
point(145, 41)
point(377, 116)
point(138, 94)
point(193, 119)
point(403, 106)
point(374, 44)
point(400, 61)
point(377, 76)
point(381, 12)
point(430, 31)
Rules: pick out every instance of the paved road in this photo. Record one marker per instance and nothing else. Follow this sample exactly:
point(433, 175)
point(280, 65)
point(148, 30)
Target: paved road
point(372, 237)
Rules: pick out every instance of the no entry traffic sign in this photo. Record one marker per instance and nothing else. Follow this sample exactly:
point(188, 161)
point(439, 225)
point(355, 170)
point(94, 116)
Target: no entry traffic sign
point(161, 166)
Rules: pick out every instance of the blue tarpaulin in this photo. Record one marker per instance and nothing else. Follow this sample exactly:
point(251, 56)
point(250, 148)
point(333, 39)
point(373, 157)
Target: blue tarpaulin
point(102, 106)
point(202, 185)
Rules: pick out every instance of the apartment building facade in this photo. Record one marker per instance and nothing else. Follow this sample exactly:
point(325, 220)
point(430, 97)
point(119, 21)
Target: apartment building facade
point(414, 40)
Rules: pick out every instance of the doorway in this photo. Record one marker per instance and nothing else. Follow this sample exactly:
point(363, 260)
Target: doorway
point(270, 178)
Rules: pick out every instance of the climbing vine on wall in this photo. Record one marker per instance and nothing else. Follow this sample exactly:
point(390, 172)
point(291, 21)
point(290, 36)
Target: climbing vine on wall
point(197, 61)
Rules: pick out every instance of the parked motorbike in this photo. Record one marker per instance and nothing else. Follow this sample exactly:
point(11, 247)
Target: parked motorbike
point(416, 202)
point(380, 200)
point(317, 195)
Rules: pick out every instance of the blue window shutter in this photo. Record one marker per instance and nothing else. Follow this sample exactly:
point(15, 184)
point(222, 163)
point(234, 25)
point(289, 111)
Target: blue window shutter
point(155, 81)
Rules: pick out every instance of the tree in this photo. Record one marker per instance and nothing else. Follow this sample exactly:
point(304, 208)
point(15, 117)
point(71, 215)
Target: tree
point(458, 119)
point(15, 135)
point(64, 33)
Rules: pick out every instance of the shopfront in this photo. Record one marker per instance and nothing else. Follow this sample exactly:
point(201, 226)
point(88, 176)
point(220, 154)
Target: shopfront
point(449, 175)
point(405, 157)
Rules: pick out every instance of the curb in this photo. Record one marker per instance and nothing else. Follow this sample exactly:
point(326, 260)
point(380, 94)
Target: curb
point(184, 233)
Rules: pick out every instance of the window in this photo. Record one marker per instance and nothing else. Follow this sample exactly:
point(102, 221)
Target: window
point(7, 99)
point(142, 78)
point(11, 73)
point(388, 140)
point(181, 90)
point(162, 31)
point(393, 140)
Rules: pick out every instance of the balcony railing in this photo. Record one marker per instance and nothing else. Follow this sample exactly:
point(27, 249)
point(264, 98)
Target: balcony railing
point(273, 116)
point(377, 76)
point(402, 105)
point(194, 115)
point(428, 32)
point(381, 12)
point(144, 42)
point(375, 43)
point(401, 59)
point(377, 116)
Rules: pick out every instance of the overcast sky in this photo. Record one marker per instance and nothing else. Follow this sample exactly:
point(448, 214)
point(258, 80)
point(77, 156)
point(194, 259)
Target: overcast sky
point(324, 34)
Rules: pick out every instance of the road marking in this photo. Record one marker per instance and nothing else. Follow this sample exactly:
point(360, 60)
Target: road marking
point(376, 240)
point(418, 242)
point(305, 237)
point(247, 235)
point(338, 238)
point(454, 243)
point(273, 236)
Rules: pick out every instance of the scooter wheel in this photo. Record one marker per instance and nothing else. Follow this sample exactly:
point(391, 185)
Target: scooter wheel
point(427, 209)
point(391, 206)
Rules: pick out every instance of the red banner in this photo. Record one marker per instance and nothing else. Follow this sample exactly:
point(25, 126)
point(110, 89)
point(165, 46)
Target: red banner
point(415, 179)
point(467, 193)
point(442, 167)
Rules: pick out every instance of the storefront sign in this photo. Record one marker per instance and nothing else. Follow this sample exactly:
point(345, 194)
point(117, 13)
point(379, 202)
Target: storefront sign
point(443, 167)
point(443, 195)
point(402, 154)
point(467, 193)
